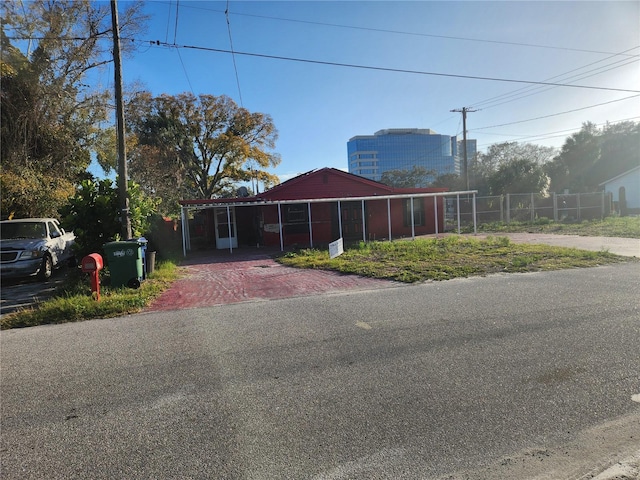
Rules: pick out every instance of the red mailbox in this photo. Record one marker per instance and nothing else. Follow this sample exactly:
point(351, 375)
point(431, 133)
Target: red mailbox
point(92, 264)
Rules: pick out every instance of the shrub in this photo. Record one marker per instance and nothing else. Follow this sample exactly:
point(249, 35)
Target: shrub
point(93, 214)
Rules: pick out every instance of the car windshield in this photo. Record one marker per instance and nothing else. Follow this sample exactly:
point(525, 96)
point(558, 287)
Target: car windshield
point(15, 230)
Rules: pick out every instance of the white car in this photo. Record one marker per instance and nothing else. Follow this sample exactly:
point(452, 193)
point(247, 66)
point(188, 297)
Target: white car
point(34, 246)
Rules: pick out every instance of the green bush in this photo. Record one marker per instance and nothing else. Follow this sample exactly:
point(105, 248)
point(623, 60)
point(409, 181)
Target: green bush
point(93, 214)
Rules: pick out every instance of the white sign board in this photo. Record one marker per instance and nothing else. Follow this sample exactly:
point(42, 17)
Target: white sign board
point(336, 248)
point(272, 228)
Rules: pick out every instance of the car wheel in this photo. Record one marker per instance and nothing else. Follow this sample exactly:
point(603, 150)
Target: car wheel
point(46, 270)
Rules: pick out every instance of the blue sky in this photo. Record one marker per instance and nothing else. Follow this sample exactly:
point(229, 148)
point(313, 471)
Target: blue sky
point(318, 107)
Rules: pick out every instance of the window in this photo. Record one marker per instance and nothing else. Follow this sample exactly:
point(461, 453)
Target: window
point(296, 213)
point(418, 212)
point(54, 232)
point(296, 218)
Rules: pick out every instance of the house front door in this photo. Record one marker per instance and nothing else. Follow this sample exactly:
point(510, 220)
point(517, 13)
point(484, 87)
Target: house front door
point(226, 232)
point(351, 213)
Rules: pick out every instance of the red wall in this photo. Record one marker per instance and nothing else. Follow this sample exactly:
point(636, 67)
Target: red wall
point(377, 224)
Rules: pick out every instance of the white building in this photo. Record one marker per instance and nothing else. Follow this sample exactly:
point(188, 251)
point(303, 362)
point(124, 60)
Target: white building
point(625, 190)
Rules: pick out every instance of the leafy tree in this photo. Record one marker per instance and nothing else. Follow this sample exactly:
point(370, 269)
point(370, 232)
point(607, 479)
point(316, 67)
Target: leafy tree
point(49, 115)
point(451, 181)
point(92, 214)
point(198, 147)
point(580, 152)
point(592, 155)
point(518, 176)
point(619, 150)
point(500, 155)
point(32, 193)
point(418, 176)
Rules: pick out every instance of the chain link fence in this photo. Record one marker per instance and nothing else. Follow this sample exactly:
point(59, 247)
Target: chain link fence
point(528, 208)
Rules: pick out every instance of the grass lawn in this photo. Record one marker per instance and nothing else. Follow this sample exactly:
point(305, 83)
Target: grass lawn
point(75, 303)
point(446, 258)
point(624, 227)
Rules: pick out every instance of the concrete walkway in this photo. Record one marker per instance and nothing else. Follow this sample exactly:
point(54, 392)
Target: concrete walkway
point(628, 247)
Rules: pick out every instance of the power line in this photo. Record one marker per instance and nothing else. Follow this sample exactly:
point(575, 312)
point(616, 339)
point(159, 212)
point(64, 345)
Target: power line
point(233, 56)
point(417, 34)
point(185, 71)
point(544, 89)
point(349, 65)
point(581, 76)
point(175, 28)
point(394, 70)
point(556, 114)
point(168, 22)
point(558, 133)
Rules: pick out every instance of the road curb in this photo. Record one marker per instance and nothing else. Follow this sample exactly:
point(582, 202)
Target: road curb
point(628, 469)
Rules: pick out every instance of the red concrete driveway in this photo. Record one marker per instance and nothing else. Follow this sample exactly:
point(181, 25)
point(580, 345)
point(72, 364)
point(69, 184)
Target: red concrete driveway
point(220, 277)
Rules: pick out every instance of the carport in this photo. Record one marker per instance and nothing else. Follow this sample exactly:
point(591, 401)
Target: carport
point(226, 207)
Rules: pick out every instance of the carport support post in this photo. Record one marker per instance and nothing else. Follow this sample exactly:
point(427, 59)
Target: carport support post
point(435, 212)
point(364, 233)
point(389, 216)
point(280, 227)
point(475, 221)
point(185, 225)
point(229, 225)
point(310, 229)
point(458, 211)
point(339, 220)
point(413, 227)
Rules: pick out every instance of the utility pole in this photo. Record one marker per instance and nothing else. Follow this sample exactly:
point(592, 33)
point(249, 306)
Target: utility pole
point(465, 166)
point(123, 197)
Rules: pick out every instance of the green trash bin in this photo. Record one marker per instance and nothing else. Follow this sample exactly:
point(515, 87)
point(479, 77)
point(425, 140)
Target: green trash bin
point(125, 263)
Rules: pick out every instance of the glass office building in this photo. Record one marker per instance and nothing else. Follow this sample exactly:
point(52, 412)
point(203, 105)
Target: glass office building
point(402, 149)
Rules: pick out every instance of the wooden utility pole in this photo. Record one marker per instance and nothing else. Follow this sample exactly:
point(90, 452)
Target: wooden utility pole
point(123, 197)
point(465, 166)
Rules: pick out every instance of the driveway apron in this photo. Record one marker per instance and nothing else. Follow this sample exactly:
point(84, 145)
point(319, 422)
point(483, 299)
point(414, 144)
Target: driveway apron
point(220, 277)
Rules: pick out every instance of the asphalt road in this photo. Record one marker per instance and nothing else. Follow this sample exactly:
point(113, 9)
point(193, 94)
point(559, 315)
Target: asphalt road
point(508, 376)
point(19, 293)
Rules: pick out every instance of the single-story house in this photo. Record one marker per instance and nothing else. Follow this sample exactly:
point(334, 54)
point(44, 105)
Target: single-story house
point(625, 191)
point(316, 208)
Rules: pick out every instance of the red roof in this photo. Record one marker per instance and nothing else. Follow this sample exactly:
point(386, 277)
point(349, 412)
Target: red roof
point(322, 183)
